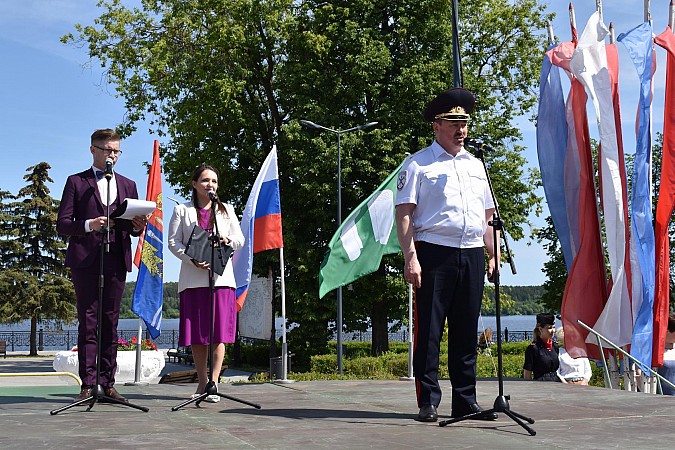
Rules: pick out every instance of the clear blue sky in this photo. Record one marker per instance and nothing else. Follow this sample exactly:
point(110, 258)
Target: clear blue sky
point(51, 104)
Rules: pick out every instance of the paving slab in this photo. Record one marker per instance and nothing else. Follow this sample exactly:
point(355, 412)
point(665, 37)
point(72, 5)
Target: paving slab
point(332, 414)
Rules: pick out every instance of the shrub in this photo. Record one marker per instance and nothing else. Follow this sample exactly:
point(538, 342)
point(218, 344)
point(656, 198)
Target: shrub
point(359, 349)
point(323, 364)
point(512, 365)
point(394, 365)
point(512, 348)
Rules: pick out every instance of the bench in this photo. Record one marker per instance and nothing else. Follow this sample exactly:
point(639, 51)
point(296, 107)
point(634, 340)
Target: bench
point(180, 354)
point(184, 376)
point(172, 353)
point(3, 348)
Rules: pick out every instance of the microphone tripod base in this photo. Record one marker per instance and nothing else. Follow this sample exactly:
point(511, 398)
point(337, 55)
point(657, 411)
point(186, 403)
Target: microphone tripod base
point(501, 405)
point(98, 395)
point(211, 389)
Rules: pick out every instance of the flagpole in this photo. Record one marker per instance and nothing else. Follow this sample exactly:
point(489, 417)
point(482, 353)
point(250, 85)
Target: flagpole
point(647, 10)
point(284, 345)
point(573, 24)
point(551, 36)
point(457, 76)
point(671, 14)
point(137, 372)
point(612, 35)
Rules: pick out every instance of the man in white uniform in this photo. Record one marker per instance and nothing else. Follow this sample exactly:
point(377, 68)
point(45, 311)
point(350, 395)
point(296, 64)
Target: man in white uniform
point(443, 205)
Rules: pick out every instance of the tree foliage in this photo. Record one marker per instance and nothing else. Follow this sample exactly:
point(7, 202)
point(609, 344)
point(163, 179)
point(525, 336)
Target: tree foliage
point(170, 301)
point(225, 80)
point(555, 268)
point(33, 280)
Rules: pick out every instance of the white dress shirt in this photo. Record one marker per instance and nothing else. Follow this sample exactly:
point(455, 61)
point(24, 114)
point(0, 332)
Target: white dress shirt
point(451, 194)
point(102, 184)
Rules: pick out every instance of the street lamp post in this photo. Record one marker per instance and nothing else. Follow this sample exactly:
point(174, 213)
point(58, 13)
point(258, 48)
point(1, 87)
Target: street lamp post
point(315, 126)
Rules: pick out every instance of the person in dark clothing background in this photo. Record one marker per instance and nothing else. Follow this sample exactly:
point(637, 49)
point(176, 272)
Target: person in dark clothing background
point(541, 357)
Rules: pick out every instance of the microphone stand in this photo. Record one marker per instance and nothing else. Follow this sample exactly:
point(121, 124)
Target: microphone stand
point(501, 403)
point(97, 393)
point(211, 387)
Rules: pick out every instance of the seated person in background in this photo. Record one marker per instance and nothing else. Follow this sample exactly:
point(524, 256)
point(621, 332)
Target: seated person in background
point(485, 341)
point(571, 370)
point(541, 357)
point(667, 370)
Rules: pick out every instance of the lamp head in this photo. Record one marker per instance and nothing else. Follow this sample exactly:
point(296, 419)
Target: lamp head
point(368, 125)
point(309, 124)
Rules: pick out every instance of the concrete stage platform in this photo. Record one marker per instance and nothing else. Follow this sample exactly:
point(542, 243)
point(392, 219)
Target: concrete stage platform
point(326, 414)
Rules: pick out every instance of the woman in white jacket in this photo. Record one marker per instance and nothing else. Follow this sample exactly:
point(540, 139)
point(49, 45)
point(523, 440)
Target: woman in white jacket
point(193, 281)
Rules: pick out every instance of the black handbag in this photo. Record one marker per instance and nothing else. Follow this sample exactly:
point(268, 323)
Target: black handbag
point(199, 248)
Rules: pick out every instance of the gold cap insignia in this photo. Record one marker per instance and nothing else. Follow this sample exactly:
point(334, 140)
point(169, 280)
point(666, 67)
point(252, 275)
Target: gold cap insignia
point(456, 113)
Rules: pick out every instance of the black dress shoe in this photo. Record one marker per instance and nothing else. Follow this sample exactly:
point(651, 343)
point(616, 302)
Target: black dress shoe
point(427, 413)
point(472, 409)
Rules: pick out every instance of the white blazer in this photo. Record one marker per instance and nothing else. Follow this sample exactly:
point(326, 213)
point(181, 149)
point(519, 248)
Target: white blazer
point(183, 221)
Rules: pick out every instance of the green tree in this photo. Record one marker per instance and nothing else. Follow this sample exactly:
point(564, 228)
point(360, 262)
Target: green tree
point(33, 282)
point(170, 301)
point(224, 80)
point(555, 268)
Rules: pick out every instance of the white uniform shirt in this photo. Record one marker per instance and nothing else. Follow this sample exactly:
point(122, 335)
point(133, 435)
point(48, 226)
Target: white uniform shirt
point(451, 194)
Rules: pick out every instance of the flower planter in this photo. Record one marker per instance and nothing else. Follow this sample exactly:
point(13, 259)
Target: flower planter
point(152, 363)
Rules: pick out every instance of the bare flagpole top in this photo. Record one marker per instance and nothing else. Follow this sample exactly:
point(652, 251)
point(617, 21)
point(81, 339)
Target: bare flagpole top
point(551, 36)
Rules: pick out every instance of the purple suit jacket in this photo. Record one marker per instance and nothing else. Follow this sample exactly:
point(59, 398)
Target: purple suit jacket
point(81, 201)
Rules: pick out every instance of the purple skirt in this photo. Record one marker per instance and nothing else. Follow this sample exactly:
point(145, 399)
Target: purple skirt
point(195, 312)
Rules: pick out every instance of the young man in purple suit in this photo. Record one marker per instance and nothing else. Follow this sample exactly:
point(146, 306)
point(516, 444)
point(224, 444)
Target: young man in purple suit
point(82, 216)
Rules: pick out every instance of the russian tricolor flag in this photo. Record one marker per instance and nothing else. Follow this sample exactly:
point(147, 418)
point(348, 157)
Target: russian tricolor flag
point(260, 224)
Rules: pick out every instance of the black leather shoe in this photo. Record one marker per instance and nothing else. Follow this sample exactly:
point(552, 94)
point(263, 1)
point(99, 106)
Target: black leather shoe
point(427, 413)
point(472, 409)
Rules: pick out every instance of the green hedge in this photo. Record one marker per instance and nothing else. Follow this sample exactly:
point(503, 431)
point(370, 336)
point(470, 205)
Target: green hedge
point(359, 349)
point(358, 364)
point(394, 365)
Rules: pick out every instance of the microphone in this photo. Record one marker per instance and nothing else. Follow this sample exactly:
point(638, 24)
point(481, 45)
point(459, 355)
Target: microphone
point(468, 142)
point(108, 167)
point(212, 196)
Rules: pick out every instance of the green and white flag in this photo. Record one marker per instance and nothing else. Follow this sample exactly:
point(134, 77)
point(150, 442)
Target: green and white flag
point(364, 237)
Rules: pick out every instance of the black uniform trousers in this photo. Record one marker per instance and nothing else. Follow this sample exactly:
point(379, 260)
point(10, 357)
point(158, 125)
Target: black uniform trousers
point(452, 288)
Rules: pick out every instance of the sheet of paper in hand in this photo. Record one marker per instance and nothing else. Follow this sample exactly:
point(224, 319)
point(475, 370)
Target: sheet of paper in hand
point(199, 249)
point(132, 207)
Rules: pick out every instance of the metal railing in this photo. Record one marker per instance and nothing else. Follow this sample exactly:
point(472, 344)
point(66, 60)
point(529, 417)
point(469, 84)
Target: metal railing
point(599, 337)
point(67, 339)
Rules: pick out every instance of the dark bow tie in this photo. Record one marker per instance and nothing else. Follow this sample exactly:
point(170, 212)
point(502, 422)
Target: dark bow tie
point(100, 174)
